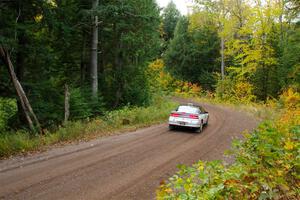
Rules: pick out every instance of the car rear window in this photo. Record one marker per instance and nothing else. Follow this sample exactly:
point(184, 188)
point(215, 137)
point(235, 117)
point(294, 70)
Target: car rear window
point(188, 109)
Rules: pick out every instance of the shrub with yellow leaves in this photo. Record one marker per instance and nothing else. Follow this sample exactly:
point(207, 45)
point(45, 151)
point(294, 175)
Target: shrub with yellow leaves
point(161, 80)
point(267, 164)
point(290, 99)
point(244, 92)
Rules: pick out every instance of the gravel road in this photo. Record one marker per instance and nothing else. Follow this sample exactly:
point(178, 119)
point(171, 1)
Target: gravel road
point(128, 166)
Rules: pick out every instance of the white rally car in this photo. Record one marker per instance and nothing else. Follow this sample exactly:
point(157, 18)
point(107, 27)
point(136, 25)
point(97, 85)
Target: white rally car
point(188, 116)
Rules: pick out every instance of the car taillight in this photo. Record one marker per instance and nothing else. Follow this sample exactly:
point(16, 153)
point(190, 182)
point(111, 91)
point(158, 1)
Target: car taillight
point(175, 115)
point(193, 116)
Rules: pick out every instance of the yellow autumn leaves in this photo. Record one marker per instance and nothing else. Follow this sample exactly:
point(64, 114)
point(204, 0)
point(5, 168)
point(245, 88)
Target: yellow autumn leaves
point(163, 80)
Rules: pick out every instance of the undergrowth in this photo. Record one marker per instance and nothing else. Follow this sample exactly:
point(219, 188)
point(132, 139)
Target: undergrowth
point(113, 122)
point(267, 164)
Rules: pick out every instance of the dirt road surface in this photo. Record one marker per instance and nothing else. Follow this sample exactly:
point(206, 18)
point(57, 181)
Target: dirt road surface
point(128, 166)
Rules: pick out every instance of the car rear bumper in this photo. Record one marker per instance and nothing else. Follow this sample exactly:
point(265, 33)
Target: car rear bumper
point(185, 125)
point(184, 122)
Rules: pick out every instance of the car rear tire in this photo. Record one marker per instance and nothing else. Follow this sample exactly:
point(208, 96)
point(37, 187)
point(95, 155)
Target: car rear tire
point(200, 129)
point(206, 123)
point(171, 127)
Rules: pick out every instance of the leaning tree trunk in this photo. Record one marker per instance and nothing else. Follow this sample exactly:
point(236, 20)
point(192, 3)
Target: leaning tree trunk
point(22, 40)
point(28, 111)
point(94, 53)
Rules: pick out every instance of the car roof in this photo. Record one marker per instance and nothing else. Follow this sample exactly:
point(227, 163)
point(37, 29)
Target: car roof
point(194, 105)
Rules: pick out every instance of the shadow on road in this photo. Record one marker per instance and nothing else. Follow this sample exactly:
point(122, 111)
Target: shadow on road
point(186, 130)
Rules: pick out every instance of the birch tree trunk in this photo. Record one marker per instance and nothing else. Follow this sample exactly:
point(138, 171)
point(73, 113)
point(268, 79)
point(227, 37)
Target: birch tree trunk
point(67, 104)
point(94, 53)
point(221, 24)
point(222, 58)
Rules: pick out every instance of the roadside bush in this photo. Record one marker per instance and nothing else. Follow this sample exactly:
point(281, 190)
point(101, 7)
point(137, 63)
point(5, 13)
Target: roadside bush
point(20, 141)
point(266, 166)
point(137, 90)
point(47, 101)
point(234, 91)
point(290, 99)
point(113, 122)
point(244, 91)
point(79, 106)
point(225, 90)
point(187, 89)
point(161, 80)
point(8, 108)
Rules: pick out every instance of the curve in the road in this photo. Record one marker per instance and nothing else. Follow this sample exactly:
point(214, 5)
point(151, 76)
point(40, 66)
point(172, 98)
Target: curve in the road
point(128, 166)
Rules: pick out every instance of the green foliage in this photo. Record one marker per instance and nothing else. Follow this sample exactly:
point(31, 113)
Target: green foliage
point(162, 82)
point(137, 91)
point(261, 47)
point(48, 102)
point(83, 106)
point(289, 72)
point(8, 109)
point(232, 90)
point(49, 45)
point(125, 28)
point(192, 53)
point(170, 17)
point(225, 89)
point(20, 141)
point(111, 122)
point(266, 167)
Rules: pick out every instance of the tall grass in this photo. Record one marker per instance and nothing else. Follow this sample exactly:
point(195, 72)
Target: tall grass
point(113, 122)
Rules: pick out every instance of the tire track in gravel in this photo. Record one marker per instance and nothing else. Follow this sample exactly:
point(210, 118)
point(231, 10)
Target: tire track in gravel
point(128, 166)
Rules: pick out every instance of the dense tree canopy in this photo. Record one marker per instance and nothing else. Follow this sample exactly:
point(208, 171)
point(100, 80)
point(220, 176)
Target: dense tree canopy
point(170, 17)
point(193, 52)
point(50, 45)
point(258, 40)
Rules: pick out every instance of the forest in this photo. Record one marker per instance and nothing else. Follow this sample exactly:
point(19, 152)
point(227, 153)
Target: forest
point(75, 70)
point(75, 60)
point(97, 50)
